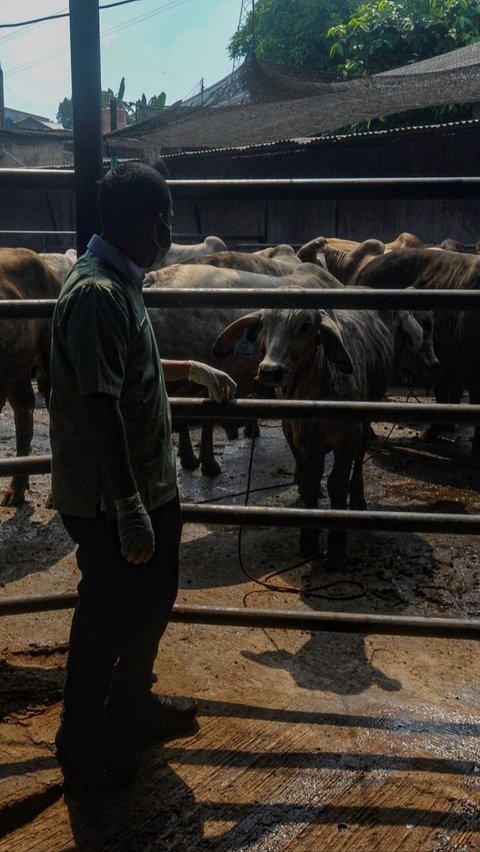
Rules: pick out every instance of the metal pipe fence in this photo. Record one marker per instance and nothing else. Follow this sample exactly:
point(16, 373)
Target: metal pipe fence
point(346, 298)
point(253, 516)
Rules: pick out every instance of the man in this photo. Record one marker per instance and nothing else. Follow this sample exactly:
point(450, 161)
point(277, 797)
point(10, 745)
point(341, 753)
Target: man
point(114, 483)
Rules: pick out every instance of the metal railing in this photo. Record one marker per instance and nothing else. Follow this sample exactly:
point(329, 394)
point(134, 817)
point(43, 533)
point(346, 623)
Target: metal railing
point(306, 518)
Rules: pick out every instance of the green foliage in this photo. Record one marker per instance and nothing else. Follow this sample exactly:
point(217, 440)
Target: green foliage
point(292, 32)
point(389, 33)
point(146, 109)
point(65, 113)
point(132, 108)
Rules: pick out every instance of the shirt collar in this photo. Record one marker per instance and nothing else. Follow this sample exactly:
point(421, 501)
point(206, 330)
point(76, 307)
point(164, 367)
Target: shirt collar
point(116, 258)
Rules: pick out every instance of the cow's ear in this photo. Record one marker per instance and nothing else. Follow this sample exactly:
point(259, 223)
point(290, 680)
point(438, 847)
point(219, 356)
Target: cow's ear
point(251, 323)
point(330, 338)
point(412, 330)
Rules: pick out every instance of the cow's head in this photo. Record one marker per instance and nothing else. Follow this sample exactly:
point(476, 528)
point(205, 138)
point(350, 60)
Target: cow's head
point(289, 338)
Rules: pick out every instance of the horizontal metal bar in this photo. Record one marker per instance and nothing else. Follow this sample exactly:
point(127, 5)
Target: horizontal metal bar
point(37, 179)
point(300, 188)
point(266, 516)
point(331, 622)
point(294, 409)
point(25, 465)
point(255, 516)
point(46, 233)
point(251, 409)
point(345, 298)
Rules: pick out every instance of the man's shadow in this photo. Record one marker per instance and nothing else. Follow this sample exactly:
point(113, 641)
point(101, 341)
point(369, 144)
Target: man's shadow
point(28, 546)
point(157, 811)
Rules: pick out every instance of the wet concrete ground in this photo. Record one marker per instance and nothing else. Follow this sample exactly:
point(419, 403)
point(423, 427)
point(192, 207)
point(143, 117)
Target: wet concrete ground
point(307, 741)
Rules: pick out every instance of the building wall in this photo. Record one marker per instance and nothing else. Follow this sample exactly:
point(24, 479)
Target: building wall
point(34, 150)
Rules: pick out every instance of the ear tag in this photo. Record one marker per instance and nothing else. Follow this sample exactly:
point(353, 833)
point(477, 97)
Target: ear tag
point(244, 348)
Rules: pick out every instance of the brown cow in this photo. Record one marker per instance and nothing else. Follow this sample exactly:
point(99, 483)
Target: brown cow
point(24, 346)
point(456, 335)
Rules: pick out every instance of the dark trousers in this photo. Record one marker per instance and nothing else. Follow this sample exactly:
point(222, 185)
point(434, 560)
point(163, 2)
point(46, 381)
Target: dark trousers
point(121, 614)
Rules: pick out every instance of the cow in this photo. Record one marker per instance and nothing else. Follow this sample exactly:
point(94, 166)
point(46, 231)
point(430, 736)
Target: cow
point(60, 262)
point(282, 252)
point(250, 262)
point(24, 347)
point(342, 249)
point(344, 262)
point(178, 253)
point(325, 355)
point(190, 332)
point(456, 337)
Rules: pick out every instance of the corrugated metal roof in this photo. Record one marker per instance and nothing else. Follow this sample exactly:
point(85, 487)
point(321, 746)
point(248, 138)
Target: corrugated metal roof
point(328, 139)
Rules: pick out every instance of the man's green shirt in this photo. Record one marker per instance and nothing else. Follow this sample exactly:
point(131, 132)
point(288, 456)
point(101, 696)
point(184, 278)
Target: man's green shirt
point(103, 342)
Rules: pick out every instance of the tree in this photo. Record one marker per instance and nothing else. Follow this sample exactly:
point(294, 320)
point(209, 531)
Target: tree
point(292, 32)
point(132, 108)
point(389, 33)
point(145, 109)
point(65, 113)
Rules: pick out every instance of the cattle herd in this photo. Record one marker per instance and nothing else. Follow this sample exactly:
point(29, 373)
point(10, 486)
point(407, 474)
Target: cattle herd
point(295, 353)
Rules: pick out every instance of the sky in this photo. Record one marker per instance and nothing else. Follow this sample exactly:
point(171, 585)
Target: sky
point(157, 45)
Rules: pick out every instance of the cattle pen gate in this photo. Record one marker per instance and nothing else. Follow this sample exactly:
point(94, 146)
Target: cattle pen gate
point(258, 516)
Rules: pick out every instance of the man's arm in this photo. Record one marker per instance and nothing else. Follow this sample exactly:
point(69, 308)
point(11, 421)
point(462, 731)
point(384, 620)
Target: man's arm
point(220, 385)
point(110, 442)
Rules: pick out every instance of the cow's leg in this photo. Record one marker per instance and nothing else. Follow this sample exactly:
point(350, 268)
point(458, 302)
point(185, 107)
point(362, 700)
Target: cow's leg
point(357, 495)
point(251, 429)
point(338, 485)
point(309, 473)
point(188, 459)
point(22, 399)
point(474, 396)
point(210, 467)
point(446, 392)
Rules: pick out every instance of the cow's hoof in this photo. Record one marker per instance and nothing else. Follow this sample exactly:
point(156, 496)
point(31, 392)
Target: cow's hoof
point(431, 434)
point(251, 430)
point(189, 463)
point(308, 543)
point(231, 432)
point(335, 562)
point(211, 468)
point(13, 498)
point(359, 504)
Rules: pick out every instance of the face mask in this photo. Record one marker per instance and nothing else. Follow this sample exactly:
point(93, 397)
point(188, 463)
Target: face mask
point(162, 250)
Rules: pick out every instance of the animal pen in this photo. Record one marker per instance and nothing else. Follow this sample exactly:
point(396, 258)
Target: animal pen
point(308, 518)
point(416, 807)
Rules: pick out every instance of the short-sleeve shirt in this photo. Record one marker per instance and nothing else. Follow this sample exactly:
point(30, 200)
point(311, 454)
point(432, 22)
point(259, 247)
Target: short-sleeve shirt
point(103, 343)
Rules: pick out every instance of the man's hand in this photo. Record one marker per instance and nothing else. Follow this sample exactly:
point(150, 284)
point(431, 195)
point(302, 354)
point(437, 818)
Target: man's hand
point(137, 540)
point(220, 385)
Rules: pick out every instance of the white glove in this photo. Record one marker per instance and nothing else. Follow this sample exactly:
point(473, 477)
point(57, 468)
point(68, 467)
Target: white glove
point(220, 385)
point(137, 541)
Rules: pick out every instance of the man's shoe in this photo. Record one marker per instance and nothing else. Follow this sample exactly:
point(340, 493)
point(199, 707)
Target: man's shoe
point(152, 718)
point(94, 758)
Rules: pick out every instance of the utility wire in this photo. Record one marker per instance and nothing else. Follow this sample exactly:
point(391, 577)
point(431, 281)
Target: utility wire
point(130, 22)
point(61, 15)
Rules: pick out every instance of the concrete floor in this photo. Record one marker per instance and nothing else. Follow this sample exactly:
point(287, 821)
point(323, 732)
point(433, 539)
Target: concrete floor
point(307, 741)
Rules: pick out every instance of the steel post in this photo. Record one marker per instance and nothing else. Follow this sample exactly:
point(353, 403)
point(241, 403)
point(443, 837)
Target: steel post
point(87, 121)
